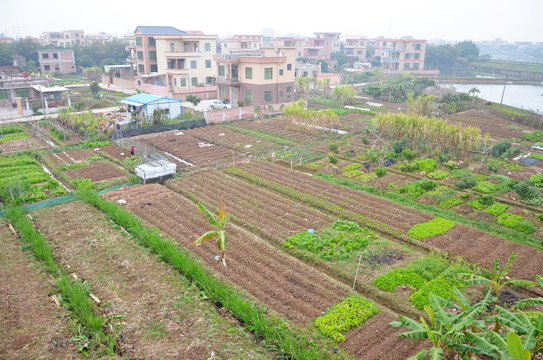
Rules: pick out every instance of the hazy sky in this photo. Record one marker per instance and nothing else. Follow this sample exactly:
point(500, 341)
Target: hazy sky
point(511, 20)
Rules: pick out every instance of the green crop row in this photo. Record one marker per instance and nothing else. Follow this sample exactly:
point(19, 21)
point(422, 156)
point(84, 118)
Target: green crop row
point(497, 209)
point(438, 174)
point(349, 313)
point(11, 129)
point(75, 294)
point(450, 202)
point(476, 205)
point(13, 136)
point(275, 332)
point(508, 219)
point(423, 276)
point(485, 187)
point(352, 166)
point(331, 243)
point(315, 201)
point(352, 173)
point(367, 177)
point(415, 189)
point(437, 226)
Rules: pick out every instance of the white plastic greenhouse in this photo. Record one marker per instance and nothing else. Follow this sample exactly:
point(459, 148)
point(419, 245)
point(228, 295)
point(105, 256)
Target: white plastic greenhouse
point(155, 169)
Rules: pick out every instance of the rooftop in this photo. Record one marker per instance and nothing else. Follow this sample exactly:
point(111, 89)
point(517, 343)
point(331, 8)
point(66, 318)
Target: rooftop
point(143, 99)
point(159, 30)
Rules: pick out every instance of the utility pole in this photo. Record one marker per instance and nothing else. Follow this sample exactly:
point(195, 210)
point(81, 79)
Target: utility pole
point(503, 92)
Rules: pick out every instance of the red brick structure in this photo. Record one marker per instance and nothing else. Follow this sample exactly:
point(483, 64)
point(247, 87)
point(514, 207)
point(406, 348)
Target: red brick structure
point(60, 61)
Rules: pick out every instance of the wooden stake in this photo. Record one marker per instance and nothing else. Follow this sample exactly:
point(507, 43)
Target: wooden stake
point(12, 229)
point(358, 268)
point(54, 298)
point(74, 276)
point(96, 300)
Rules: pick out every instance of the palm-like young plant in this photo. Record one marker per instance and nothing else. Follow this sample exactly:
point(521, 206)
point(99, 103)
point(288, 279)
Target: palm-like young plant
point(219, 222)
point(497, 280)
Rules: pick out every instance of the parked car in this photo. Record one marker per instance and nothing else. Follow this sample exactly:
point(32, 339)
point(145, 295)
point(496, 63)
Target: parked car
point(219, 104)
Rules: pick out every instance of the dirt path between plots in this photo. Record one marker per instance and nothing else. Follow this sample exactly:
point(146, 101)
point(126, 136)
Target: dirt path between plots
point(31, 326)
point(284, 284)
point(165, 317)
point(460, 241)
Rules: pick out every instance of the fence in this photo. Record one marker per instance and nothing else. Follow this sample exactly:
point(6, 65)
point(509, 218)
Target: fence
point(242, 113)
point(138, 128)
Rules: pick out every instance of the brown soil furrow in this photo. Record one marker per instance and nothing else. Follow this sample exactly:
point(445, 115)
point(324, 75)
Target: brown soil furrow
point(32, 328)
point(164, 314)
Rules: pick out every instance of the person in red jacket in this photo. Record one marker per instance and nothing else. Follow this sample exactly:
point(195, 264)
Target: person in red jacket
point(132, 150)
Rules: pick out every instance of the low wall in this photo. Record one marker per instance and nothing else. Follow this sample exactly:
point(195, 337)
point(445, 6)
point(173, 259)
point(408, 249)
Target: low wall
point(240, 113)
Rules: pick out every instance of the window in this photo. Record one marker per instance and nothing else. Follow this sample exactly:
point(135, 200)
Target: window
point(415, 66)
point(280, 72)
point(194, 81)
point(140, 55)
point(152, 55)
point(21, 93)
point(289, 67)
point(268, 73)
point(139, 82)
point(209, 79)
point(45, 56)
point(138, 41)
point(46, 67)
point(172, 47)
point(222, 92)
point(289, 89)
point(408, 56)
point(417, 46)
point(249, 96)
point(154, 68)
point(152, 41)
point(77, 35)
point(248, 72)
point(359, 52)
point(407, 66)
point(183, 82)
point(417, 56)
point(57, 68)
point(55, 56)
point(186, 47)
point(280, 94)
point(174, 82)
point(3, 94)
point(196, 46)
point(268, 96)
point(141, 69)
point(208, 64)
point(193, 64)
point(207, 46)
point(221, 70)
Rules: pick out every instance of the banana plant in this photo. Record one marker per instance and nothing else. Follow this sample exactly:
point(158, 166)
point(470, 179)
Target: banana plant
point(447, 331)
point(219, 222)
point(497, 280)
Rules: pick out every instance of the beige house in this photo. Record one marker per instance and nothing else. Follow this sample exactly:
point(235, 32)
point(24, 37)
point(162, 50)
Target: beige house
point(64, 38)
point(296, 43)
point(401, 55)
point(187, 60)
point(356, 47)
point(257, 79)
point(242, 44)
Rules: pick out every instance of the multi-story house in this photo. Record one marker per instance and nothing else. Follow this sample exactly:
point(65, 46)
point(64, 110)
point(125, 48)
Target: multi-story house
point(242, 44)
point(146, 55)
point(99, 38)
point(64, 38)
point(57, 61)
point(257, 79)
point(296, 43)
point(322, 46)
point(401, 55)
point(186, 60)
point(356, 48)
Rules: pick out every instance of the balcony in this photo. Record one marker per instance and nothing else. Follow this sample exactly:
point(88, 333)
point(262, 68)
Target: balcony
point(228, 80)
point(181, 71)
point(177, 54)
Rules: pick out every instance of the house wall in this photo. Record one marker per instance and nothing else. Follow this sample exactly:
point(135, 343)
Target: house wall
point(63, 63)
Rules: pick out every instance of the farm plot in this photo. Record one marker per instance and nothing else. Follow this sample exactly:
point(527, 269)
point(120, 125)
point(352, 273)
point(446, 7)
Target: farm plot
point(275, 216)
point(277, 126)
point(22, 144)
point(230, 139)
point(284, 284)
point(404, 218)
point(164, 315)
point(490, 124)
point(372, 207)
point(96, 172)
point(67, 157)
point(42, 332)
point(187, 148)
point(115, 152)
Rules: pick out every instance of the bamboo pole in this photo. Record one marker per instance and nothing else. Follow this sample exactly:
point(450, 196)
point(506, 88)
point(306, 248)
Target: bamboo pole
point(96, 300)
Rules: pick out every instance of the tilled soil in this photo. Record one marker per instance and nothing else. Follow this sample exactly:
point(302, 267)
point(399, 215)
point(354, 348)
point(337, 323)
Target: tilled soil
point(187, 148)
point(461, 240)
point(115, 152)
point(277, 126)
point(31, 325)
point(490, 124)
point(280, 282)
point(165, 316)
point(376, 340)
point(96, 171)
